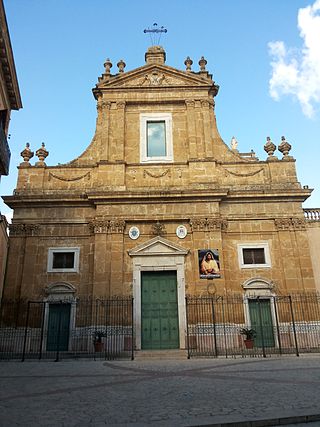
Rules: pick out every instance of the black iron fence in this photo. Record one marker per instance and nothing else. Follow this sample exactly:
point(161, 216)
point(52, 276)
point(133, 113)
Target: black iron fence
point(216, 326)
point(220, 325)
point(67, 328)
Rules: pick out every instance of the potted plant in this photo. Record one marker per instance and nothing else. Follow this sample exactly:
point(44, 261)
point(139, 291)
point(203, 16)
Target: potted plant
point(249, 335)
point(97, 340)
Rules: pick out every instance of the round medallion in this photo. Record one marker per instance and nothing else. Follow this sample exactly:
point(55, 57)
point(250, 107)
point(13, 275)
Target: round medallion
point(134, 233)
point(181, 231)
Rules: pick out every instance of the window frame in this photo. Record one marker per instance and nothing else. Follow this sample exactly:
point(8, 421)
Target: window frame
point(254, 245)
point(155, 117)
point(74, 269)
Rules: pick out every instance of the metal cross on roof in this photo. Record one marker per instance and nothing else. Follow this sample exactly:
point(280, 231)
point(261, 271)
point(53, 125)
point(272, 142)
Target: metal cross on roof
point(155, 33)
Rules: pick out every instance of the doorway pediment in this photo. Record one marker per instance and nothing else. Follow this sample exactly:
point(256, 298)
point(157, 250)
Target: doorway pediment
point(158, 246)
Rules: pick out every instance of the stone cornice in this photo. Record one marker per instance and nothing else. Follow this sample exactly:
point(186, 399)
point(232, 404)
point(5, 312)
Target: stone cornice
point(7, 63)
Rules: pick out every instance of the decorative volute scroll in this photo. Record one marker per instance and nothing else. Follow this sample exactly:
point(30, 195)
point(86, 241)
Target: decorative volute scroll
point(103, 225)
point(208, 224)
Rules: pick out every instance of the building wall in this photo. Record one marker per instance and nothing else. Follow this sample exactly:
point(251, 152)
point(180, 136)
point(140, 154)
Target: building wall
point(223, 199)
point(3, 249)
point(314, 242)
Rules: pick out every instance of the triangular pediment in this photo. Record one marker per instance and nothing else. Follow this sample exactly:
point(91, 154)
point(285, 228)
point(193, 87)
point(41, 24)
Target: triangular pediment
point(158, 246)
point(155, 75)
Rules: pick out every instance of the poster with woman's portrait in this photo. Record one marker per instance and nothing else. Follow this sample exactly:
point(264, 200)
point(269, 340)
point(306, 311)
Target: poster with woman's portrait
point(209, 266)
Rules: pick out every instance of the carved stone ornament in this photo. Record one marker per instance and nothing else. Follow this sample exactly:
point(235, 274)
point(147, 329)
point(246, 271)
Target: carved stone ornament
point(121, 65)
point(69, 179)
point(102, 225)
point(41, 153)
point(203, 62)
point(154, 79)
point(284, 147)
point(269, 147)
point(26, 154)
point(190, 103)
point(19, 229)
point(107, 66)
point(158, 229)
point(188, 62)
point(208, 224)
point(290, 223)
point(156, 174)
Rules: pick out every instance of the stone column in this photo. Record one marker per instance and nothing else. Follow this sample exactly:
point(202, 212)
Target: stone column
point(19, 278)
point(105, 130)
point(120, 131)
point(294, 254)
point(199, 130)
point(108, 257)
point(191, 129)
point(207, 128)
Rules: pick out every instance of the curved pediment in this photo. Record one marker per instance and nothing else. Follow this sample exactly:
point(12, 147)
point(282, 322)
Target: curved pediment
point(158, 246)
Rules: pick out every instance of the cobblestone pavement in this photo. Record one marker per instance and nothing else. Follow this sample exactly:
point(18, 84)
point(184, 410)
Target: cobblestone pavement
point(158, 393)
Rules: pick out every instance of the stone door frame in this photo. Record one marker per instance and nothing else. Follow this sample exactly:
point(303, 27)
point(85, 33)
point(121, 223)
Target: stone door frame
point(159, 254)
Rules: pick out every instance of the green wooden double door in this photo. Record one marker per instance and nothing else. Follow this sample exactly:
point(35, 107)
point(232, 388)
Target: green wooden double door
point(58, 327)
point(159, 310)
point(261, 322)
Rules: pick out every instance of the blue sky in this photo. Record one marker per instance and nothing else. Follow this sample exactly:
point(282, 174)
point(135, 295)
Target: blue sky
point(60, 47)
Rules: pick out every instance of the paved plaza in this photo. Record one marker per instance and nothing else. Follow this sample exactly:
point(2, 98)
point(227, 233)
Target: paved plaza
point(159, 393)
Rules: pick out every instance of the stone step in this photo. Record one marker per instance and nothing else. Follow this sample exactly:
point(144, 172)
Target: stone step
point(161, 354)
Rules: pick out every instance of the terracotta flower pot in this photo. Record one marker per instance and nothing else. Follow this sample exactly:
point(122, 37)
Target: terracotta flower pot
point(248, 343)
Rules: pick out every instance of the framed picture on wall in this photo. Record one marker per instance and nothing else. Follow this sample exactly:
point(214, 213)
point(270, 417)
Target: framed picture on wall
point(209, 265)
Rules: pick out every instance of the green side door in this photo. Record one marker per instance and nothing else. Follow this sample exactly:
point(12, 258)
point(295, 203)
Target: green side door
point(58, 327)
point(159, 310)
point(261, 322)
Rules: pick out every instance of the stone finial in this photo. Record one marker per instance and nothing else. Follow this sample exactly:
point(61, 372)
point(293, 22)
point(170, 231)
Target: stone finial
point(203, 62)
point(269, 147)
point(107, 66)
point(188, 62)
point(234, 144)
point(155, 55)
point(42, 153)
point(284, 147)
point(26, 154)
point(121, 65)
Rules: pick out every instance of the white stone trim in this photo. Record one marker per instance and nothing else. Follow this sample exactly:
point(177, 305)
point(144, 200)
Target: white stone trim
point(167, 256)
point(254, 245)
point(167, 118)
point(51, 251)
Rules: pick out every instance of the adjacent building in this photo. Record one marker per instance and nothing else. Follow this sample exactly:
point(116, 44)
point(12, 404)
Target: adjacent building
point(9, 100)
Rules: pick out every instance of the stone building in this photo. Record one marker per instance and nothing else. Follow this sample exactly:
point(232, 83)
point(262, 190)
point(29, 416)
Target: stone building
point(158, 206)
point(9, 100)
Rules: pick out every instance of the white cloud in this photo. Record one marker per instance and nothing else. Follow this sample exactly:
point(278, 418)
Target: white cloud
point(297, 72)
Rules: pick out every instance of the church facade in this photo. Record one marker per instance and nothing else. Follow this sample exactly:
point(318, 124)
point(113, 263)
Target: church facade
point(158, 207)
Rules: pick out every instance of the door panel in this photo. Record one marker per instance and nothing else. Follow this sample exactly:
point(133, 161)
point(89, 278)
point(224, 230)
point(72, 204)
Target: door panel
point(58, 327)
point(159, 310)
point(261, 322)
